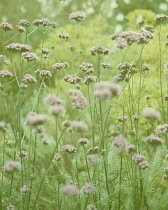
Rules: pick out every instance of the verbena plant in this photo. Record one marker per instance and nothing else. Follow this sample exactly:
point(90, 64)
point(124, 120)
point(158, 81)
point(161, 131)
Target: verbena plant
point(77, 132)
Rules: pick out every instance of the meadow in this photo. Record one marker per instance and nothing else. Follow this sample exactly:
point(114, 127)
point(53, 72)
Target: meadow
point(84, 109)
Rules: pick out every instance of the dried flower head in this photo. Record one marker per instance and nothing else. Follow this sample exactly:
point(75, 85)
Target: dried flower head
point(5, 73)
point(39, 129)
point(121, 43)
point(99, 50)
point(24, 22)
point(70, 148)
point(35, 119)
point(20, 29)
point(145, 67)
point(77, 99)
point(77, 16)
point(162, 128)
point(10, 207)
point(2, 57)
point(28, 78)
point(105, 65)
point(138, 158)
point(149, 28)
point(131, 148)
point(135, 118)
point(88, 188)
point(66, 123)
point(154, 140)
point(29, 56)
point(53, 24)
point(87, 67)
point(53, 100)
point(23, 154)
point(151, 113)
point(161, 17)
point(3, 127)
point(63, 36)
point(89, 79)
point(166, 97)
point(93, 150)
point(24, 189)
point(119, 142)
point(6, 26)
point(122, 118)
point(45, 51)
point(23, 85)
point(70, 190)
point(79, 126)
point(43, 73)
point(57, 157)
point(91, 207)
point(72, 79)
point(12, 166)
point(17, 47)
point(93, 159)
point(57, 110)
point(83, 141)
point(59, 66)
point(44, 22)
point(144, 164)
point(107, 89)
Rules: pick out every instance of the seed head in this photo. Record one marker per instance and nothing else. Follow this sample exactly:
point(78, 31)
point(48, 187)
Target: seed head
point(24, 22)
point(5, 73)
point(83, 141)
point(70, 190)
point(59, 66)
point(87, 67)
point(63, 36)
point(72, 79)
point(106, 89)
point(69, 148)
point(57, 110)
point(89, 79)
point(154, 140)
point(43, 73)
point(10, 207)
point(3, 127)
point(119, 142)
point(6, 26)
point(12, 166)
point(35, 119)
point(161, 17)
point(144, 164)
point(20, 28)
point(28, 78)
point(99, 50)
point(105, 65)
point(151, 113)
point(79, 126)
point(77, 16)
point(93, 159)
point(17, 47)
point(57, 157)
point(24, 189)
point(131, 148)
point(138, 158)
point(77, 99)
point(53, 100)
point(29, 56)
point(88, 188)
point(166, 97)
point(162, 128)
point(44, 22)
